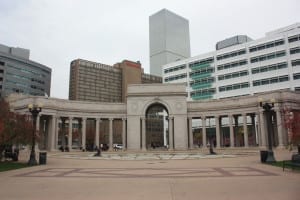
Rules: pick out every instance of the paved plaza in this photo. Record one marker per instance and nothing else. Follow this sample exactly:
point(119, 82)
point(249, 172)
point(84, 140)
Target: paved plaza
point(174, 176)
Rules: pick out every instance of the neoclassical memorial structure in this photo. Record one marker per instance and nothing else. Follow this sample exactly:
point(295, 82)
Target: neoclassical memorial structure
point(158, 116)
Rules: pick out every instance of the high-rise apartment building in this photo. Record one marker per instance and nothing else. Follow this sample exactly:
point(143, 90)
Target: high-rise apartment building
point(91, 81)
point(169, 39)
point(241, 66)
point(19, 74)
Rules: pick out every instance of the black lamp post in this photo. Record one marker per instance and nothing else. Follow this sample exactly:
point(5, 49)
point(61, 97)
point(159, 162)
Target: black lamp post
point(34, 110)
point(268, 113)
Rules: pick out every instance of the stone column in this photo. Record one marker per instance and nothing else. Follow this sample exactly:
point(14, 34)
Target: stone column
point(217, 121)
point(124, 133)
point(70, 133)
point(83, 133)
point(171, 133)
point(97, 132)
point(63, 138)
point(279, 128)
point(245, 130)
point(37, 125)
point(56, 132)
point(110, 134)
point(203, 118)
point(143, 133)
point(191, 137)
point(262, 129)
point(253, 127)
point(51, 134)
point(230, 117)
point(258, 128)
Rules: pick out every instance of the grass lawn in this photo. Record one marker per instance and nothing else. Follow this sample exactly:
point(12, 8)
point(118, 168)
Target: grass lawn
point(5, 166)
point(280, 164)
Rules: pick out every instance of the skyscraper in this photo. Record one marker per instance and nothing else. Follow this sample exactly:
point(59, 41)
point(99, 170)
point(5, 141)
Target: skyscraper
point(169, 39)
point(19, 74)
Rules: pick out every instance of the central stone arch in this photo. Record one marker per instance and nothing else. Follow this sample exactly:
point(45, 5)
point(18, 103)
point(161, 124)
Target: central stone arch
point(144, 100)
point(157, 127)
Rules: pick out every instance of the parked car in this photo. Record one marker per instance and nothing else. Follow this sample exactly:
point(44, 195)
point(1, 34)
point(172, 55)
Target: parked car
point(118, 146)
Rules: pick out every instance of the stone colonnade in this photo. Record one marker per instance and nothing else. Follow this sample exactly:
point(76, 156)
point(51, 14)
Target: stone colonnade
point(257, 121)
point(55, 123)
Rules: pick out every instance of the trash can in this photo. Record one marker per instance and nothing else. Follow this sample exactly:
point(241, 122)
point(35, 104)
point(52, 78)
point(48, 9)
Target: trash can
point(263, 156)
point(43, 158)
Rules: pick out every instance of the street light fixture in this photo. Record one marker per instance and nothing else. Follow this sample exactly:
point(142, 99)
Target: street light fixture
point(34, 110)
point(268, 113)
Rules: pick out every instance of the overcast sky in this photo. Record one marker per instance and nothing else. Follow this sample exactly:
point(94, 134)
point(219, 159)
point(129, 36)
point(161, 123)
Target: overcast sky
point(59, 31)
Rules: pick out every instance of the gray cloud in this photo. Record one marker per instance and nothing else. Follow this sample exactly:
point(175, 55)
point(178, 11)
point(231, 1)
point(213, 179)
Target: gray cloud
point(59, 31)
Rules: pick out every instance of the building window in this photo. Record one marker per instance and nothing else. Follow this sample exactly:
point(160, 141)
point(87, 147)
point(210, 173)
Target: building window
point(231, 54)
point(266, 45)
point(203, 62)
point(173, 69)
point(294, 38)
point(175, 77)
point(271, 80)
point(233, 75)
point(295, 50)
point(267, 56)
point(232, 65)
point(295, 62)
point(2, 63)
point(202, 81)
point(202, 71)
point(234, 87)
point(203, 93)
point(269, 68)
point(296, 76)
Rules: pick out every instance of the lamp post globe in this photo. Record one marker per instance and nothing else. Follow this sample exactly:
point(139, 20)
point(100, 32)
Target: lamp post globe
point(34, 110)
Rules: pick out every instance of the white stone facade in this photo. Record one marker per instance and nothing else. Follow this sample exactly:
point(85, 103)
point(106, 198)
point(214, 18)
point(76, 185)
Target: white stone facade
point(231, 122)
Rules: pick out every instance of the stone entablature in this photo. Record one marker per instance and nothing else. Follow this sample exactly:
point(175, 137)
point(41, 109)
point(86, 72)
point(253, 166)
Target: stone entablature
point(61, 107)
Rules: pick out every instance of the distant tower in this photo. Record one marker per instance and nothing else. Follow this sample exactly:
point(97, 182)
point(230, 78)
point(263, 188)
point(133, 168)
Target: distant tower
point(169, 39)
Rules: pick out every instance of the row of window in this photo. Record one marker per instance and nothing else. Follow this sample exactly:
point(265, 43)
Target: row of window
point(271, 80)
point(203, 71)
point(25, 78)
point(202, 61)
point(295, 50)
point(175, 77)
point(294, 38)
point(36, 87)
point(266, 45)
point(27, 71)
point(232, 65)
point(17, 84)
point(173, 69)
point(203, 92)
point(231, 54)
point(269, 68)
point(267, 56)
point(203, 81)
point(234, 86)
point(233, 75)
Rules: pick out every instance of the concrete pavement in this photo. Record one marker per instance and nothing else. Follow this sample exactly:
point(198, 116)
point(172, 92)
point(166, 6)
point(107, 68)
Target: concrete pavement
point(78, 178)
